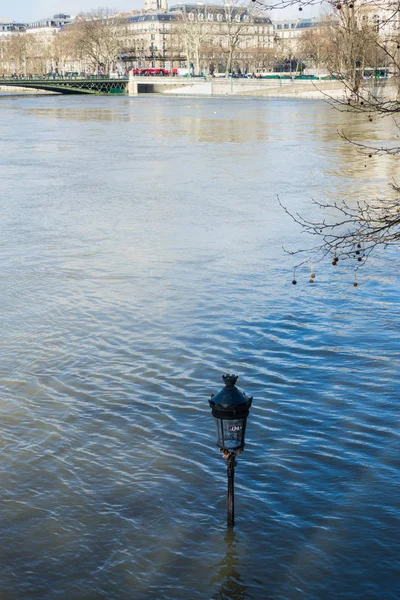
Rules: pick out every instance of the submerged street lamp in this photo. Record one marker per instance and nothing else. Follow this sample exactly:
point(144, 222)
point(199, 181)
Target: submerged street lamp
point(230, 409)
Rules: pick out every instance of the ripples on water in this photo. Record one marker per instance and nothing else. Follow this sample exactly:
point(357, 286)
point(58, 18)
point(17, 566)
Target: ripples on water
point(141, 258)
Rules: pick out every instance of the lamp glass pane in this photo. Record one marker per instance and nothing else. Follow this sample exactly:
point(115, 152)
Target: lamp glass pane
point(220, 437)
point(233, 432)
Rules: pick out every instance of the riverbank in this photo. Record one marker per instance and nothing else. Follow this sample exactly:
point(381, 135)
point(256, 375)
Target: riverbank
point(270, 88)
point(284, 88)
point(7, 91)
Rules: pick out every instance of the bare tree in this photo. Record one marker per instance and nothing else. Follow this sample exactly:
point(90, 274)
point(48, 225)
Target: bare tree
point(64, 52)
point(193, 34)
point(98, 38)
point(240, 18)
point(366, 39)
point(317, 45)
point(258, 59)
point(14, 52)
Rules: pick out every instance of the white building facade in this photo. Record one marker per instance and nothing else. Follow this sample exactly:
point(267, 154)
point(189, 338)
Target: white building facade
point(200, 37)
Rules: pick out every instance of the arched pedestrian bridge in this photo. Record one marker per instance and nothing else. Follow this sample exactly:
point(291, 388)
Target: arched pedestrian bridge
point(69, 85)
point(99, 84)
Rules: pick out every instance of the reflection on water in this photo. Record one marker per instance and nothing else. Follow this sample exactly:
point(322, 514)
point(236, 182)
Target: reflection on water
point(90, 114)
point(217, 130)
point(231, 585)
point(141, 257)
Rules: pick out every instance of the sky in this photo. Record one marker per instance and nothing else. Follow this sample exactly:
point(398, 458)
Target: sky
point(26, 11)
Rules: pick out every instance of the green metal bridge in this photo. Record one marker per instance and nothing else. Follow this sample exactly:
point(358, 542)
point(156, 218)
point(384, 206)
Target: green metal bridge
point(69, 85)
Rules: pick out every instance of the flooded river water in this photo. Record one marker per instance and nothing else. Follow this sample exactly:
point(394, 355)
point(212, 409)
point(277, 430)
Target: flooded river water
point(141, 258)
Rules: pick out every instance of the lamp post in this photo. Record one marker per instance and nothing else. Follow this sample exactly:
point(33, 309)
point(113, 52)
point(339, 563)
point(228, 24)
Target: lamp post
point(230, 409)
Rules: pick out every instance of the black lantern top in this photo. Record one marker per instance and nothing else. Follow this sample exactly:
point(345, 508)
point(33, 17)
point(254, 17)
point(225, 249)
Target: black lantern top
point(230, 408)
point(230, 397)
point(230, 379)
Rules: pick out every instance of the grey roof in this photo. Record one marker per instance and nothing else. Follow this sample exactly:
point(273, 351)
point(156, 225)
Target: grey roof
point(55, 21)
point(295, 24)
point(152, 17)
point(11, 25)
point(305, 23)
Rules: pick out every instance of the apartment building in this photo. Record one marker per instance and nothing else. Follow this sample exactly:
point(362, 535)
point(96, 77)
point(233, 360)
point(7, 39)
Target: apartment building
point(49, 27)
point(199, 36)
point(288, 32)
point(383, 15)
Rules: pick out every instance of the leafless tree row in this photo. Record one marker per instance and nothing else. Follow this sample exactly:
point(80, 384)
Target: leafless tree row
point(201, 36)
point(359, 43)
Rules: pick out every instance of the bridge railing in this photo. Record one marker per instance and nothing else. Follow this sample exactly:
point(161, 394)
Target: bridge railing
point(57, 77)
point(78, 77)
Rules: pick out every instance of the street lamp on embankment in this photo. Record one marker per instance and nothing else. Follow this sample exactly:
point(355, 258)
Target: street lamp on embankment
point(230, 409)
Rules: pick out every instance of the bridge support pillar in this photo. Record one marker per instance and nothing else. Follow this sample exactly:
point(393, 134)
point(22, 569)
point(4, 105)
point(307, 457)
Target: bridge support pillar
point(132, 86)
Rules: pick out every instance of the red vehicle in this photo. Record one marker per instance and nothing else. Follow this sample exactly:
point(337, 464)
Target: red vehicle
point(154, 72)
